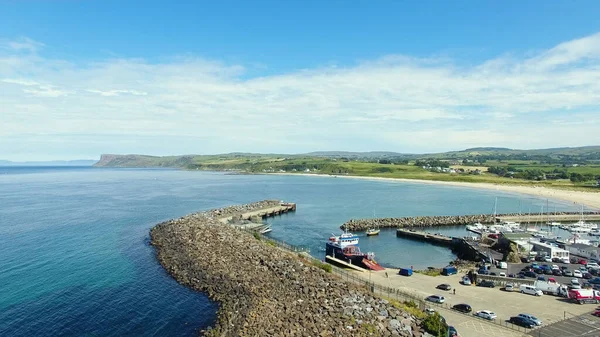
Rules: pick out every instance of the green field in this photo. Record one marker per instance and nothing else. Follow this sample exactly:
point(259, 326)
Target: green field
point(552, 168)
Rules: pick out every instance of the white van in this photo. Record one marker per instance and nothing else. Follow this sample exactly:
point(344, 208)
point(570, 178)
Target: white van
point(531, 290)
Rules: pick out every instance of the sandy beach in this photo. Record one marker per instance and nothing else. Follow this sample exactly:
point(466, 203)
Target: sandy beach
point(589, 199)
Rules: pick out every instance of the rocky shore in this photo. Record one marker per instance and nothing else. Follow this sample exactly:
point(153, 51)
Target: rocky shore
point(429, 221)
point(264, 290)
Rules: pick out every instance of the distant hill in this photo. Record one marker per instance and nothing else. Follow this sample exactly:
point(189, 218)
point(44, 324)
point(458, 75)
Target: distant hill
point(85, 162)
point(239, 159)
point(347, 154)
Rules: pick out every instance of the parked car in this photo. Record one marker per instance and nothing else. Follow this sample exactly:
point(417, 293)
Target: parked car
point(512, 275)
point(575, 281)
point(502, 274)
point(556, 259)
point(595, 280)
point(466, 281)
point(592, 265)
point(492, 274)
point(556, 272)
point(587, 276)
point(548, 271)
point(567, 273)
point(553, 267)
point(538, 270)
point(462, 307)
point(541, 278)
point(530, 274)
point(522, 275)
point(452, 331)
point(483, 271)
point(486, 314)
point(564, 267)
point(521, 321)
point(532, 318)
point(509, 287)
point(444, 286)
point(436, 299)
point(531, 290)
point(547, 259)
point(594, 272)
point(577, 273)
point(596, 313)
point(487, 284)
point(540, 258)
point(582, 261)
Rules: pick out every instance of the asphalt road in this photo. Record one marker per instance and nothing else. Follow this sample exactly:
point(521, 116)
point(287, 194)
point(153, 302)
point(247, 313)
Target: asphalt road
point(585, 325)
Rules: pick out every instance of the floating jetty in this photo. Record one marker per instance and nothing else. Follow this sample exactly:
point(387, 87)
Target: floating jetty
point(356, 225)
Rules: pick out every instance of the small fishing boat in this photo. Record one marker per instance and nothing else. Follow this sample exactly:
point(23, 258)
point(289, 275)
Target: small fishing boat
point(265, 230)
point(373, 231)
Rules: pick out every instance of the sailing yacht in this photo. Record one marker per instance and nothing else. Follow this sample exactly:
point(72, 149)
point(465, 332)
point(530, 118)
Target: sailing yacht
point(581, 226)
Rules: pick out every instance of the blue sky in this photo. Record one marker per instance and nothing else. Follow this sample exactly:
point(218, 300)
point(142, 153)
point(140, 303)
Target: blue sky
point(80, 78)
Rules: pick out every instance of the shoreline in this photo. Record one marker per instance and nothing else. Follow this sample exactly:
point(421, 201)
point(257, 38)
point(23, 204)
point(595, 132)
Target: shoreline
point(589, 199)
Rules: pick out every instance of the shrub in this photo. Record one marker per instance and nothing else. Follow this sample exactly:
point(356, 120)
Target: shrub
point(256, 235)
point(435, 325)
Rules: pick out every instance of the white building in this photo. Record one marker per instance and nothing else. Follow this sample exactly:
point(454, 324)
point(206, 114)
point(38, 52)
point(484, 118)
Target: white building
point(586, 251)
point(545, 249)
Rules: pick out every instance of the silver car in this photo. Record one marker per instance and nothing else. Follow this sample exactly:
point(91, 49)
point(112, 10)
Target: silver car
point(532, 318)
point(436, 298)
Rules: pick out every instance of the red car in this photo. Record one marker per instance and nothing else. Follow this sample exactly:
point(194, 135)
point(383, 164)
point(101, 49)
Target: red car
point(582, 261)
point(596, 313)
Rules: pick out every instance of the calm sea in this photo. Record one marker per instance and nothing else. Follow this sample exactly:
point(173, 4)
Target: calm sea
point(75, 258)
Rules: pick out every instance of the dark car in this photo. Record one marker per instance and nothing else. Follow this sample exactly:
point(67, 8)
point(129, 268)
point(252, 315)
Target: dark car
point(522, 321)
point(567, 273)
point(538, 270)
point(530, 274)
point(595, 280)
point(548, 271)
point(462, 308)
point(564, 268)
point(593, 271)
point(524, 260)
point(444, 286)
point(512, 275)
point(540, 258)
point(587, 276)
point(527, 269)
point(452, 331)
point(556, 259)
point(521, 275)
point(492, 274)
point(486, 284)
point(541, 278)
point(483, 271)
point(556, 272)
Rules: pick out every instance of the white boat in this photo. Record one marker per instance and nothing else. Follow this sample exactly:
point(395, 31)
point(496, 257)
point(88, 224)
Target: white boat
point(265, 230)
point(476, 228)
point(344, 240)
point(553, 224)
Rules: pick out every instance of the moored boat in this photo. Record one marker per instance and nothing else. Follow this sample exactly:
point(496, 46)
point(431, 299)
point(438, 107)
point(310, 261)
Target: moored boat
point(345, 248)
point(373, 231)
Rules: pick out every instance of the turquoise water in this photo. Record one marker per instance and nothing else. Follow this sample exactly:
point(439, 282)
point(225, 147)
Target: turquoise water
point(75, 258)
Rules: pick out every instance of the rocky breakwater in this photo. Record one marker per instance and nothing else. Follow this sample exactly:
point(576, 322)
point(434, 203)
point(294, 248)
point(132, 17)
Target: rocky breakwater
point(437, 221)
point(266, 291)
point(419, 221)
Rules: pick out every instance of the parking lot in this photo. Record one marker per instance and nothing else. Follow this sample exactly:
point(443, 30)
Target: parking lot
point(515, 268)
point(549, 309)
point(584, 325)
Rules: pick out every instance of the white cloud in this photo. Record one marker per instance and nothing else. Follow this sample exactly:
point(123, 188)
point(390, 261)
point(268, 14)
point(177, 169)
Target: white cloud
point(22, 44)
point(191, 105)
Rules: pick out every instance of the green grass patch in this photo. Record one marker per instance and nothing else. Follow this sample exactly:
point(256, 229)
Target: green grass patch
point(322, 265)
point(430, 272)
